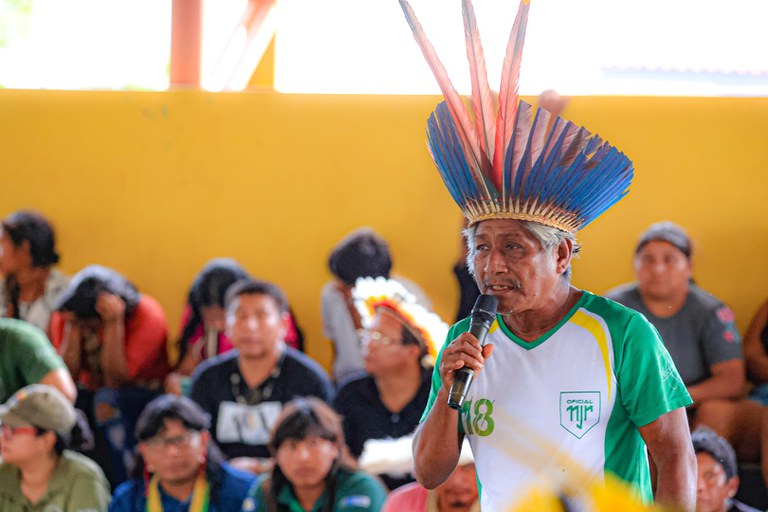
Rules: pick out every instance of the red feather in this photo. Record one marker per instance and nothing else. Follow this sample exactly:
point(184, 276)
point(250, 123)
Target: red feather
point(482, 99)
point(453, 99)
point(510, 81)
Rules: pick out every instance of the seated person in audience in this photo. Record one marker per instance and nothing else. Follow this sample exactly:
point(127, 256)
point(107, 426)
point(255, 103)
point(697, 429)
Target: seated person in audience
point(37, 472)
point(31, 285)
point(699, 332)
point(381, 409)
point(203, 321)
point(313, 468)
point(113, 340)
point(718, 478)
point(756, 354)
point(244, 389)
point(457, 494)
point(362, 253)
point(27, 357)
point(184, 468)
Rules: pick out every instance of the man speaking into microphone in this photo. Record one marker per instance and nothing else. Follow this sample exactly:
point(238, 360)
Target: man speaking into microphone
point(568, 387)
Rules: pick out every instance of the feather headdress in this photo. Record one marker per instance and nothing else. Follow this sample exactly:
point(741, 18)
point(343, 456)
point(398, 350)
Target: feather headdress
point(371, 294)
point(514, 162)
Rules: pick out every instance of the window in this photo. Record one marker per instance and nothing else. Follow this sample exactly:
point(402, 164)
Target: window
point(589, 47)
point(85, 44)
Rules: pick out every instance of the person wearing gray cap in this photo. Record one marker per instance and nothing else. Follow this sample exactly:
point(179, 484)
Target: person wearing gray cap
point(37, 473)
point(698, 330)
point(718, 478)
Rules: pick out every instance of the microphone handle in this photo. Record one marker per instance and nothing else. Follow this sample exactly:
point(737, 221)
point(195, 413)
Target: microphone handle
point(462, 378)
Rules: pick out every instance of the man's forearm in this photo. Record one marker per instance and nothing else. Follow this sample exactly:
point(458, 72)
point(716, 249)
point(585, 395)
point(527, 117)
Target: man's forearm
point(676, 483)
point(436, 444)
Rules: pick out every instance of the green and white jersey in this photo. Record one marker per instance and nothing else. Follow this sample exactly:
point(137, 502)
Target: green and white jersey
point(568, 405)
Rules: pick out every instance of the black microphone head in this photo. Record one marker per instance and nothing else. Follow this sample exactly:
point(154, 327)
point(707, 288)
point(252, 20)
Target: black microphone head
point(485, 307)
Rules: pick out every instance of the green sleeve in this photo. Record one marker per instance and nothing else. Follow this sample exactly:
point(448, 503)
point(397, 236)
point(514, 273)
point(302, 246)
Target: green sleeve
point(437, 381)
point(89, 493)
point(34, 354)
point(651, 385)
point(360, 493)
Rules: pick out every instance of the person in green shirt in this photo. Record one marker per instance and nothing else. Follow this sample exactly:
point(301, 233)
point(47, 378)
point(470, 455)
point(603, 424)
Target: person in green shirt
point(37, 473)
point(27, 357)
point(314, 471)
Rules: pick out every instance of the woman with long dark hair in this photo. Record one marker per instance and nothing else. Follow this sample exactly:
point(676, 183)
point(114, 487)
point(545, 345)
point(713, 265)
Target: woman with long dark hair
point(31, 284)
point(313, 470)
point(113, 340)
point(203, 321)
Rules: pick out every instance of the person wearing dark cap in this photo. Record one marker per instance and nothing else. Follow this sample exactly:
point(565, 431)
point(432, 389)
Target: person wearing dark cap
point(362, 253)
point(698, 330)
point(718, 478)
point(37, 473)
point(31, 284)
point(178, 466)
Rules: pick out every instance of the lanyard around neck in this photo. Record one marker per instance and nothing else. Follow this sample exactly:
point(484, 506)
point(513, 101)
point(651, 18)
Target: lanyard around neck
point(200, 495)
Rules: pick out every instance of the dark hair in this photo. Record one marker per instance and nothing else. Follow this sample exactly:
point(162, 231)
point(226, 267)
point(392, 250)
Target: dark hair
point(32, 227)
point(301, 418)
point(174, 407)
point(208, 289)
point(80, 438)
point(85, 287)
point(411, 339)
point(28, 226)
point(362, 253)
point(256, 287)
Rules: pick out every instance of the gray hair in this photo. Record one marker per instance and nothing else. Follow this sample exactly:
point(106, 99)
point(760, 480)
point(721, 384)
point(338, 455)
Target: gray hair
point(549, 237)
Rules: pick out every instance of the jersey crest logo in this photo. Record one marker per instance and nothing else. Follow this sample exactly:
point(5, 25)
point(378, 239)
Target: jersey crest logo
point(579, 411)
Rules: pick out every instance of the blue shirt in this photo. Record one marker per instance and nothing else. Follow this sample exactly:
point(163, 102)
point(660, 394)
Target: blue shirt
point(228, 494)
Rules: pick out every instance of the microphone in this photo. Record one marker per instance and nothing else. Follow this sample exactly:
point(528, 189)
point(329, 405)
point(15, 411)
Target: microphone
point(481, 318)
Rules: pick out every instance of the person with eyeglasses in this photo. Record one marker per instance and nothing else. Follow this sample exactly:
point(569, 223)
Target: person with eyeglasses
point(38, 473)
point(178, 467)
point(382, 407)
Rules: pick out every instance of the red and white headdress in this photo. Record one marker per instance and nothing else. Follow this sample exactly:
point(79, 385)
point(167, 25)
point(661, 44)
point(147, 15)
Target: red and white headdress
point(371, 294)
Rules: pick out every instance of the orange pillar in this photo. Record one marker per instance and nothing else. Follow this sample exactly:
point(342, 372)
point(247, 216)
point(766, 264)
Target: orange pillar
point(186, 41)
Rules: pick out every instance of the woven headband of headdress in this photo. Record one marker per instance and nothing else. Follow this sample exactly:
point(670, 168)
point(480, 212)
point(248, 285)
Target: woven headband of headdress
point(371, 294)
point(512, 164)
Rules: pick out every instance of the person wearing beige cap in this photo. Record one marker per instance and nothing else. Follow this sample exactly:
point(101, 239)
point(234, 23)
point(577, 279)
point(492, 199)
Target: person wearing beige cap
point(37, 473)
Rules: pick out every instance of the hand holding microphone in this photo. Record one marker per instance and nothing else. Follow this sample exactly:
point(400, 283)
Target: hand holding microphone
point(481, 318)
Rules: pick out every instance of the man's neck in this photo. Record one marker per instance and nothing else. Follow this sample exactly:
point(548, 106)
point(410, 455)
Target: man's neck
point(665, 307)
point(398, 388)
point(256, 370)
point(180, 490)
point(531, 324)
point(35, 477)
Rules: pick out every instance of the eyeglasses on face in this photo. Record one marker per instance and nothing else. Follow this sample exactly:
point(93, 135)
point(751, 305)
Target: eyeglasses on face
point(368, 336)
point(10, 431)
point(180, 442)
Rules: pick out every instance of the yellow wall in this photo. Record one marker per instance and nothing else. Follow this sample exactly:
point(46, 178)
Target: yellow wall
point(155, 184)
